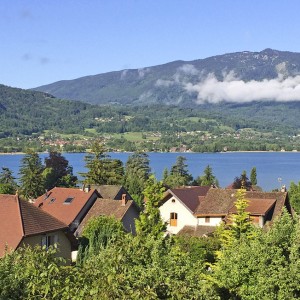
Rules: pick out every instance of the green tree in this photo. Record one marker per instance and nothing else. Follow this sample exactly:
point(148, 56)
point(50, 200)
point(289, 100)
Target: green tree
point(242, 182)
point(137, 172)
point(179, 174)
point(253, 176)
point(98, 233)
point(294, 196)
point(31, 171)
point(150, 222)
point(8, 184)
point(58, 172)
point(207, 178)
point(101, 168)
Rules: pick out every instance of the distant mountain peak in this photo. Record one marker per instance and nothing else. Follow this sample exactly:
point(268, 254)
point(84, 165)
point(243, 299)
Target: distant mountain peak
point(182, 82)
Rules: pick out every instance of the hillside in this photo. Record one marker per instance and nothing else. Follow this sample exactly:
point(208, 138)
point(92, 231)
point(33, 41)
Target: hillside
point(180, 82)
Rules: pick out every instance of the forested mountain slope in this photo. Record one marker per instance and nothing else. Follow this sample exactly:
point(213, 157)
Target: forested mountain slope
point(177, 82)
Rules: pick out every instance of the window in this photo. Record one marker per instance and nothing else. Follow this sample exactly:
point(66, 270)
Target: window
point(68, 200)
point(173, 219)
point(207, 219)
point(49, 240)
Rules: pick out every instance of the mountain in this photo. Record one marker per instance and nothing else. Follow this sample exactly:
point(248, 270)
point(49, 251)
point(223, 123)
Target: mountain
point(187, 82)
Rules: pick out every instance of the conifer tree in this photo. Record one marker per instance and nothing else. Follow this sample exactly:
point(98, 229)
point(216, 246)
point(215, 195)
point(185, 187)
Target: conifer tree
point(253, 176)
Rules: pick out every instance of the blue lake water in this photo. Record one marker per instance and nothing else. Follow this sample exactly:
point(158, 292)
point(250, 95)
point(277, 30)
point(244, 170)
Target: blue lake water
point(270, 166)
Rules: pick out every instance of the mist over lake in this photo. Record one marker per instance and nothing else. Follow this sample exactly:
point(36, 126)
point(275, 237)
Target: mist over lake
point(273, 168)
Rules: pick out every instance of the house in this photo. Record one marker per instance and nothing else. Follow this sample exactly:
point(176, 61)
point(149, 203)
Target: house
point(198, 210)
point(69, 205)
point(124, 210)
point(114, 192)
point(21, 223)
point(178, 206)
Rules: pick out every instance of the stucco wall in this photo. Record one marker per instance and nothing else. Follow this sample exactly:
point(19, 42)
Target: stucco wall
point(129, 219)
point(213, 221)
point(184, 215)
point(64, 245)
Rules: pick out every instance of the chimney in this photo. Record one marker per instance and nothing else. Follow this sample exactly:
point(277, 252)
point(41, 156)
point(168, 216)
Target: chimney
point(87, 188)
point(283, 188)
point(123, 201)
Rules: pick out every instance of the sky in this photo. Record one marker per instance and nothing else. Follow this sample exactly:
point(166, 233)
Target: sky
point(44, 41)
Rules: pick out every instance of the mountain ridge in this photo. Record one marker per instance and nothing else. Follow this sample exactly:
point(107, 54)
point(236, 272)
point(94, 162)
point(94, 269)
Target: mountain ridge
point(176, 82)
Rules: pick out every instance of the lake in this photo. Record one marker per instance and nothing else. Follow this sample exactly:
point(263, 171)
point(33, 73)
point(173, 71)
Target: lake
point(273, 168)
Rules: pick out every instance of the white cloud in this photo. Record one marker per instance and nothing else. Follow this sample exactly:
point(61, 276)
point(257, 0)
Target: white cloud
point(143, 71)
point(165, 83)
point(123, 74)
point(188, 69)
point(233, 89)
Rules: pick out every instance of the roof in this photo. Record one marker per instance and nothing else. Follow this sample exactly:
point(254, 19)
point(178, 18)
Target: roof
point(257, 207)
point(19, 218)
point(54, 202)
point(221, 202)
point(190, 196)
point(110, 191)
point(106, 207)
point(197, 231)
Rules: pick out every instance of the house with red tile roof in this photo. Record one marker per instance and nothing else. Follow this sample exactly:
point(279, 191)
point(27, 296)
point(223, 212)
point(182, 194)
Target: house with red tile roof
point(178, 206)
point(21, 223)
point(69, 205)
point(198, 210)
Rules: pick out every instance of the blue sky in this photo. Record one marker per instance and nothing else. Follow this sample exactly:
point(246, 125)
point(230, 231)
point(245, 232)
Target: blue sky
point(43, 41)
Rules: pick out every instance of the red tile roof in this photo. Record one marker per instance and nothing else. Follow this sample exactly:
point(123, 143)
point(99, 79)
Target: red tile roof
point(190, 196)
point(19, 218)
point(54, 203)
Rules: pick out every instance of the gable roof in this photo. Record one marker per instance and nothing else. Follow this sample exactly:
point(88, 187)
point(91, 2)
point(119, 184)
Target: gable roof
point(19, 218)
point(111, 191)
point(106, 207)
point(190, 196)
point(54, 202)
point(221, 202)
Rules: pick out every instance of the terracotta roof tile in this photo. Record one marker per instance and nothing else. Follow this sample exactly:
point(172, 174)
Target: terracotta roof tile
point(189, 196)
point(54, 203)
point(19, 218)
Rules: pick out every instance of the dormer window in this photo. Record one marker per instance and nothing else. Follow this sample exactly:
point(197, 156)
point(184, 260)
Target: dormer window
point(68, 200)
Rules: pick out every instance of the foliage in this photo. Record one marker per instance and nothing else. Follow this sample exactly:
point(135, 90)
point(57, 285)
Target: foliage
point(207, 179)
point(97, 234)
point(242, 182)
point(32, 179)
point(294, 196)
point(58, 172)
point(101, 168)
point(8, 184)
point(137, 171)
point(179, 175)
point(253, 176)
point(150, 222)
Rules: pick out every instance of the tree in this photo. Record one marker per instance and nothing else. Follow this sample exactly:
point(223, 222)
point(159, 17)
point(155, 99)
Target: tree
point(137, 172)
point(207, 179)
point(58, 172)
point(179, 174)
point(31, 171)
point(242, 182)
point(294, 196)
point(101, 168)
point(253, 176)
point(8, 184)
point(150, 222)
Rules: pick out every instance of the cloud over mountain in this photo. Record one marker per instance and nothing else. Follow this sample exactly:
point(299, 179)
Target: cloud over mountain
point(232, 89)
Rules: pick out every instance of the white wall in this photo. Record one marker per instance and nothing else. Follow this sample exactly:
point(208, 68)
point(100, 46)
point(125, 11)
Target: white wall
point(184, 215)
point(213, 221)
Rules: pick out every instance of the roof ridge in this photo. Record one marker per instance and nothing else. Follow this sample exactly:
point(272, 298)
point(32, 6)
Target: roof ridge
point(21, 215)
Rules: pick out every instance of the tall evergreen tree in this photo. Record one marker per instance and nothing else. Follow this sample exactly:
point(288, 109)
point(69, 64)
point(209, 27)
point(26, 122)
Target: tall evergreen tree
point(31, 171)
point(137, 172)
point(253, 176)
point(58, 172)
point(101, 168)
point(8, 184)
point(207, 178)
